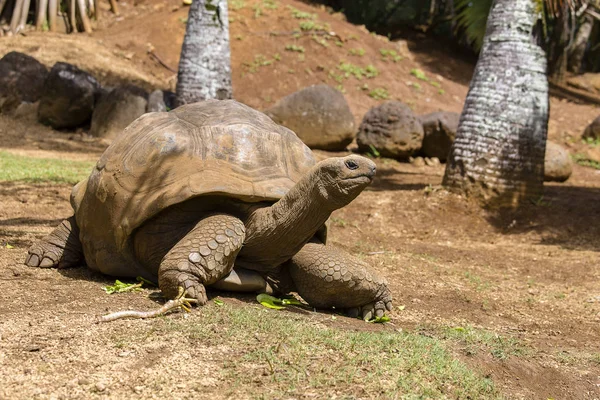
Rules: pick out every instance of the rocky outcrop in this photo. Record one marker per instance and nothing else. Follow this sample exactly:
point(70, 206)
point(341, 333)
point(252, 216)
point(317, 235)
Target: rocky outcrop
point(68, 97)
point(592, 131)
point(319, 115)
point(392, 129)
point(116, 109)
point(439, 130)
point(21, 80)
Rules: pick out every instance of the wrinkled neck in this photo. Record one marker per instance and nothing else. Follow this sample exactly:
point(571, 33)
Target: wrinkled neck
point(274, 234)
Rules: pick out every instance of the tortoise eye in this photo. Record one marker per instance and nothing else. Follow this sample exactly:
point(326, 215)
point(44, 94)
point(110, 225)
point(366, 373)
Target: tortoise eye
point(351, 164)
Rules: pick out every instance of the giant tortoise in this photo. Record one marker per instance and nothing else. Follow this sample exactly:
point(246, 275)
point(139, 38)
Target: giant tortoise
point(216, 194)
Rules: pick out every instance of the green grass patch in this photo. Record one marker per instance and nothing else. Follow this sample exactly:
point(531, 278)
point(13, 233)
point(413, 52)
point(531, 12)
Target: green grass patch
point(390, 55)
point(28, 169)
point(419, 74)
point(259, 61)
point(296, 48)
point(237, 4)
point(301, 14)
point(585, 162)
point(475, 340)
point(349, 69)
point(357, 52)
point(279, 354)
point(270, 4)
point(594, 142)
point(379, 94)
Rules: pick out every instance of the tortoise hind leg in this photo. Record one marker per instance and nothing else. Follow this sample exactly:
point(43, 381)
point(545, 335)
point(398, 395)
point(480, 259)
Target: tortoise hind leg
point(326, 276)
point(61, 248)
point(202, 257)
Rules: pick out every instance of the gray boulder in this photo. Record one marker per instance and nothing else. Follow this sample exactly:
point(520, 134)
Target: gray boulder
point(21, 80)
point(558, 165)
point(156, 102)
point(319, 115)
point(392, 129)
point(592, 131)
point(68, 97)
point(439, 129)
point(116, 109)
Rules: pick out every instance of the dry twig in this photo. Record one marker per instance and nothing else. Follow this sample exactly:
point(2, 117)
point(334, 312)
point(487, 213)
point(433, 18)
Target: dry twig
point(180, 302)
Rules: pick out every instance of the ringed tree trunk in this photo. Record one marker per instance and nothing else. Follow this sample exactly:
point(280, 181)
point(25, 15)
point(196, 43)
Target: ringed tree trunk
point(498, 154)
point(205, 63)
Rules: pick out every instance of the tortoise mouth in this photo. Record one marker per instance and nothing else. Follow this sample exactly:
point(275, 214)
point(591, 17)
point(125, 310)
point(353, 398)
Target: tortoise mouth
point(366, 177)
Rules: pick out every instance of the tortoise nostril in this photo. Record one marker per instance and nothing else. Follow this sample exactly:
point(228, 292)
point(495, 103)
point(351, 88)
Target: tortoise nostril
point(351, 164)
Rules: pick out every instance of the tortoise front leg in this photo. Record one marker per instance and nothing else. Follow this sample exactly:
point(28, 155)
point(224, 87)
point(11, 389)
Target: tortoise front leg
point(202, 257)
point(327, 276)
point(61, 248)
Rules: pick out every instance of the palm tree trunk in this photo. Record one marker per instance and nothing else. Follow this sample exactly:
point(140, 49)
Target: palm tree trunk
point(72, 16)
point(85, 21)
point(16, 16)
point(52, 11)
point(24, 15)
point(42, 8)
point(580, 43)
point(498, 154)
point(205, 63)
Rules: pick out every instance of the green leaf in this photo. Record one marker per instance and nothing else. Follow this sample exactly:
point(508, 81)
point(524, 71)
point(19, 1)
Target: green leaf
point(380, 320)
point(8, 246)
point(270, 301)
point(120, 287)
point(374, 151)
point(218, 302)
point(291, 302)
point(146, 282)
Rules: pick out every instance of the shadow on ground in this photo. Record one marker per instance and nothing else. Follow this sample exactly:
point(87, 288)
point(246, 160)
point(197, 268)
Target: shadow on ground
point(566, 216)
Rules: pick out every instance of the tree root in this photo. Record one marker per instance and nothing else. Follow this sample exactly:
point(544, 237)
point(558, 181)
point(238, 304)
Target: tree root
point(180, 302)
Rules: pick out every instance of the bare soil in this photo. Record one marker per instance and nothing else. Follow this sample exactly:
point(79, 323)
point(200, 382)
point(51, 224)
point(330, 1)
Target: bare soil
point(531, 275)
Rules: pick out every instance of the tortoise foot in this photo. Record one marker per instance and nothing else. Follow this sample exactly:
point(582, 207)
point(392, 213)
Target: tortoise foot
point(326, 276)
point(372, 310)
point(61, 248)
point(174, 283)
point(202, 257)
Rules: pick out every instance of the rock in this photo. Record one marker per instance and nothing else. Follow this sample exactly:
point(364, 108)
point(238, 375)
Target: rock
point(160, 101)
point(117, 109)
point(391, 128)
point(26, 111)
point(592, 131)
point(439, 129)
point(557, 163)
point(417, 161)
point(156, 102)
point(68, 97)
point(319, 115)
point(432, 161)
point(21, 80)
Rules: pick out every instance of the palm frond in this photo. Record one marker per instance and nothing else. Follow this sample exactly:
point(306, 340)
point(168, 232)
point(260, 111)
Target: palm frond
point(471, 20)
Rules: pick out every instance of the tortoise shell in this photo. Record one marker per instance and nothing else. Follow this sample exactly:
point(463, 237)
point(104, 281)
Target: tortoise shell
point(212, 147)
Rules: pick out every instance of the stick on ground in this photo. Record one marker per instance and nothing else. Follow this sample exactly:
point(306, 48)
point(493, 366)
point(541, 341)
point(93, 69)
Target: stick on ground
point(180, 302)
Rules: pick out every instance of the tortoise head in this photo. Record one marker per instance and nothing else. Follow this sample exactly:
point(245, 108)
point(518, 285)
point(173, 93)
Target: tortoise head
point(341, 179)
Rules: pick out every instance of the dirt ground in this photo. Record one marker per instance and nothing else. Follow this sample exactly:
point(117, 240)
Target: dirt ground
point(532, 276)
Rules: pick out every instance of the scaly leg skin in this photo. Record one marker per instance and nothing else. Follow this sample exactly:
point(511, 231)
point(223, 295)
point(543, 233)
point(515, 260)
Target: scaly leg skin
point(326, 276)
point(61, 248)
point(204, 256)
